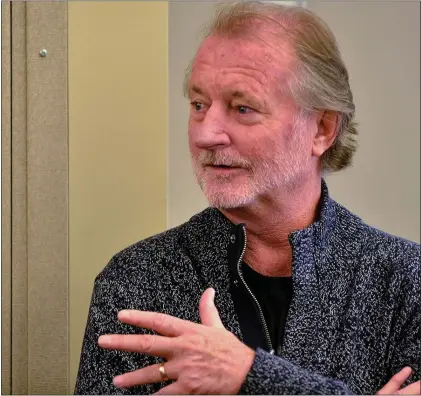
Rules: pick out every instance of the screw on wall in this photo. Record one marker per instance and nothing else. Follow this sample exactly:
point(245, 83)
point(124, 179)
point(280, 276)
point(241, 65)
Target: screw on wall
point(43, 53)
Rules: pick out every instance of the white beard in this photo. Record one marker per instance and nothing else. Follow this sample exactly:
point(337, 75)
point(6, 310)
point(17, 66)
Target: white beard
point(284, 170)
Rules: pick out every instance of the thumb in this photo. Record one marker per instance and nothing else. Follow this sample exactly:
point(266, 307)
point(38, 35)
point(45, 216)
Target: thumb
point(209, 315)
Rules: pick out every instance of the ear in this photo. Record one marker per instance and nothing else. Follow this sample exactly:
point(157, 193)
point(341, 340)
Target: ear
point(327, 126)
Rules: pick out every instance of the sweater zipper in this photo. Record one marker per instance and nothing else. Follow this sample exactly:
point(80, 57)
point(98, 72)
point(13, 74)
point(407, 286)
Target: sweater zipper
point(259, 308)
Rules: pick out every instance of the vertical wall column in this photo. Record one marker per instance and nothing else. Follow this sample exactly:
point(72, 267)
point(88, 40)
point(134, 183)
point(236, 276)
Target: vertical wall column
point(34, 222)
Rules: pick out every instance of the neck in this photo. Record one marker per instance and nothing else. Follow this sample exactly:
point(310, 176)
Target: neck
point(270, 220)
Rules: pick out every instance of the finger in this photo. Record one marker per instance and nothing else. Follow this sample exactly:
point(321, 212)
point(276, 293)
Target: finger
point(395, 382)
point(412, 389)
point(161, 323)
point(147, 375)
point(209, 315)
point(173, 389)
point(153, 345)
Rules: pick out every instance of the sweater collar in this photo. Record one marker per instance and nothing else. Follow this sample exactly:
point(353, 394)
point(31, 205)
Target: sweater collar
point(215, 243)
point(318, 232)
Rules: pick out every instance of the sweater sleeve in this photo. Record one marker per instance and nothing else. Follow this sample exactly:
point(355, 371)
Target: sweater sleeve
point(408, 350)
point(406, 337)
point(99, 366)
point(273, 375)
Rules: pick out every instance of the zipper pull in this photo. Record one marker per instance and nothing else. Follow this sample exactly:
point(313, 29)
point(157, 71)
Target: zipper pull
point(272, 351)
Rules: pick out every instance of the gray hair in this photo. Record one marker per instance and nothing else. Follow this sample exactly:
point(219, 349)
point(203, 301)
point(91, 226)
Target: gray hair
point(320, 80)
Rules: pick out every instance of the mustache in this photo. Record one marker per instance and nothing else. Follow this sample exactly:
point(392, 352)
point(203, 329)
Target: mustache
point(215, 158)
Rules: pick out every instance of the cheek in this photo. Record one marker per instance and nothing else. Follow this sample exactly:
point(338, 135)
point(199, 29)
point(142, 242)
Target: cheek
point(269, 142)
point(194, 151)
point(284, 138)
point(192, 136)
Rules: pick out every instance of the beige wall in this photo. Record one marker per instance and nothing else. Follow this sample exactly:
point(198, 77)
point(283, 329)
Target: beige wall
point(117, 140)
point(380, 42)
point(184, 196)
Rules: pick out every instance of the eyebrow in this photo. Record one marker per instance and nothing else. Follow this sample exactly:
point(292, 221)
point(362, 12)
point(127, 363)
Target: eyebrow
point(238, 94)
point(234, 94)
point(196, 89)
point(250, 98)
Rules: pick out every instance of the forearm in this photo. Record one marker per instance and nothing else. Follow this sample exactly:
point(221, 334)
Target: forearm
point(272, 375)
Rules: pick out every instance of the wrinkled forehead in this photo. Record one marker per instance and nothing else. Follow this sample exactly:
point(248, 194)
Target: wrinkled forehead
point(273, 61)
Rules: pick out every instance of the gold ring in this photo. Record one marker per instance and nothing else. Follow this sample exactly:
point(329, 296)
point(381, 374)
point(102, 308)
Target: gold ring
point(164, 375)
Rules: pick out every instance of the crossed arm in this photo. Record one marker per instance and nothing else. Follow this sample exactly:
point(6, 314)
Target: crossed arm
point(207, 359)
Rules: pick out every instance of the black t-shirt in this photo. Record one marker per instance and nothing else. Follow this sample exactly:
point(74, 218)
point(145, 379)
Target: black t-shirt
point(274, 296)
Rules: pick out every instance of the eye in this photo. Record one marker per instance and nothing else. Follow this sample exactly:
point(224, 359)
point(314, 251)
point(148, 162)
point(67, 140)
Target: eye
point(244, 109)
point(197, 106)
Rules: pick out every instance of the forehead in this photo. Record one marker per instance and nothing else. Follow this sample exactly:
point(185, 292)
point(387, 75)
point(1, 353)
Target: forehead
point(247, 59)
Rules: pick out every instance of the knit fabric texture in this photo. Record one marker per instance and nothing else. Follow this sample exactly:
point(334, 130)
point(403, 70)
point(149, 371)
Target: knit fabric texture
point(353, 322)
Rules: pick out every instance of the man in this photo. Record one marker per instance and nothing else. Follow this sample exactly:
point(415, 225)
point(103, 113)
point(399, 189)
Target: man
point(276, 288)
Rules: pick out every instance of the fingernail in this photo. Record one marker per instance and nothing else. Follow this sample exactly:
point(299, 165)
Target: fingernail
point(117, 381)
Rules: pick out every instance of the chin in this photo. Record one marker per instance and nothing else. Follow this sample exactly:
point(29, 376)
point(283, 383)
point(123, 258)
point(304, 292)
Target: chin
point(228, 203)
point(228, 198)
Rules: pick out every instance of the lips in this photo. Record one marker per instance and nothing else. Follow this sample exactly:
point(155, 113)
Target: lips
point(223, 166)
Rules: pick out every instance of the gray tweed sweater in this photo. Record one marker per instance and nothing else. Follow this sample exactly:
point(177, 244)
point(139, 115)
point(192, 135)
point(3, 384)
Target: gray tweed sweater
point(354, 318)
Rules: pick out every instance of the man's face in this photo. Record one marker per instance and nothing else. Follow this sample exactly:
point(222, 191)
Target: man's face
point(244, 137)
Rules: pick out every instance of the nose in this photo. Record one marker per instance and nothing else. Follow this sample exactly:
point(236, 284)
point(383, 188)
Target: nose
point(211, 132)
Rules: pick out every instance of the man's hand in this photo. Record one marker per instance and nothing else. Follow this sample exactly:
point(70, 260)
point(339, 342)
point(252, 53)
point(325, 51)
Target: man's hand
point(395, 383)
point(201, 358)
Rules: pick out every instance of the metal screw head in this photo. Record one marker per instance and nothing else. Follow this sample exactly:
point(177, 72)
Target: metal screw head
point(43, 53)
point(232, 238)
